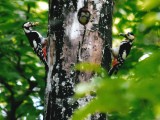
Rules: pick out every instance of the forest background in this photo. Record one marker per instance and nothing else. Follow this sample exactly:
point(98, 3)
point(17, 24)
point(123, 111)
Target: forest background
point(136, 85)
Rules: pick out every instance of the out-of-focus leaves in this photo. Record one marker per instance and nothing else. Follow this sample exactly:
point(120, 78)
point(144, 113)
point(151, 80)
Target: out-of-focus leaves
point(80, 114)
point(127, 94)
point(88, 88)
point(150, 65)
point(151, 19)
point(109, 94)
point(148, 4)
point(91, 67)
point(17, 59)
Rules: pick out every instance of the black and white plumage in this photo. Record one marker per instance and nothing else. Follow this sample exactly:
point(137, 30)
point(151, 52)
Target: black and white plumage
point(121, 52)
point(36, 41)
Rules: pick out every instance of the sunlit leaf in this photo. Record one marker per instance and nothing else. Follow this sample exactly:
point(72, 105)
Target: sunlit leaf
point(149, 4)
point(90, 67)
point(151, 18)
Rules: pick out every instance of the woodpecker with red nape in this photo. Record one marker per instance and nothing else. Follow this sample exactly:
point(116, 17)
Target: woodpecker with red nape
point(121, 52)
point(37, 42)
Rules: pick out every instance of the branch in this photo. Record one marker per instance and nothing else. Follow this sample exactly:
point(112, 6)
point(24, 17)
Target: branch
point(9, 87)
point(11, 97)
point(28, 11)
point(32, 84)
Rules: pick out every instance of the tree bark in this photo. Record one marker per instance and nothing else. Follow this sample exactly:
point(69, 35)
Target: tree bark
point(65, 49)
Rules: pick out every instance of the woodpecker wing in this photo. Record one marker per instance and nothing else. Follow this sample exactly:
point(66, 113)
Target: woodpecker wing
point(35, 41)
point(38, 50)
point(124, 49)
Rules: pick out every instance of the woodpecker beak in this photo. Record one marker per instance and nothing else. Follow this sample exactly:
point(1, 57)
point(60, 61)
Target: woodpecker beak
point(122, 34)
point(128, 36)
point(35, 23)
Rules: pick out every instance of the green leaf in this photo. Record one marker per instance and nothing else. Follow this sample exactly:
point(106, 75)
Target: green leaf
point(149, 4)
point(91, 67)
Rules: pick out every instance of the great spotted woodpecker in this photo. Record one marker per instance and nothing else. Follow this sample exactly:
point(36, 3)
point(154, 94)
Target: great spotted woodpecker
point(84, 15)
point(121, 52)
point(37, 42)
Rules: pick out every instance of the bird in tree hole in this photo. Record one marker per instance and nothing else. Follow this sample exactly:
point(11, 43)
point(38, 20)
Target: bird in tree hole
point(84, 14)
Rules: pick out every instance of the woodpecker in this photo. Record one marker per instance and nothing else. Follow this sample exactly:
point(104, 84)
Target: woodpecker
point(37, 42)
point(121, 52)
point(83, 15)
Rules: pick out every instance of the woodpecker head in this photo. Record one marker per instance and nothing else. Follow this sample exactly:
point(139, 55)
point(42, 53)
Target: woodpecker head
point(29, 25)
point(129, 35)
point(84, 15)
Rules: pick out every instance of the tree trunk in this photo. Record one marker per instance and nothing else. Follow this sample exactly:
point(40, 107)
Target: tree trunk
point(65, 49)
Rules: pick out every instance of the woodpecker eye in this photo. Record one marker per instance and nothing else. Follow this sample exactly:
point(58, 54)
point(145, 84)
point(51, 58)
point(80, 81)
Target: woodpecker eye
point(130, 36)
point(28, 24)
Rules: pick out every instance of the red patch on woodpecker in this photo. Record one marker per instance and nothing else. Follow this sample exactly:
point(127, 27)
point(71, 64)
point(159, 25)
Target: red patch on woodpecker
point(114, 62)
point(44, 52)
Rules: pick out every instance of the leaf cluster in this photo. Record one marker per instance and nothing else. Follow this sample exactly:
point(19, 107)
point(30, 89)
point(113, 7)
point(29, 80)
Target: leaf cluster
point(21, 73)
point(132, 95)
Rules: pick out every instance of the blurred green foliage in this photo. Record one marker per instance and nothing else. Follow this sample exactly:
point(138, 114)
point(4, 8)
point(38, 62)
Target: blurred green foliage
point(21, 75)
point(132, 94)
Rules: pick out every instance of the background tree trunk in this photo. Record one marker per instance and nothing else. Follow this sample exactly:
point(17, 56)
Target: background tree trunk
point(65, 44)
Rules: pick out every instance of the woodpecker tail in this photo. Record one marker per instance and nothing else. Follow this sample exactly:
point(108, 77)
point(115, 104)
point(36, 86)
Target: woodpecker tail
point(41, 53)
point(114, 69)
point(114, 62)
point(44, 52)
